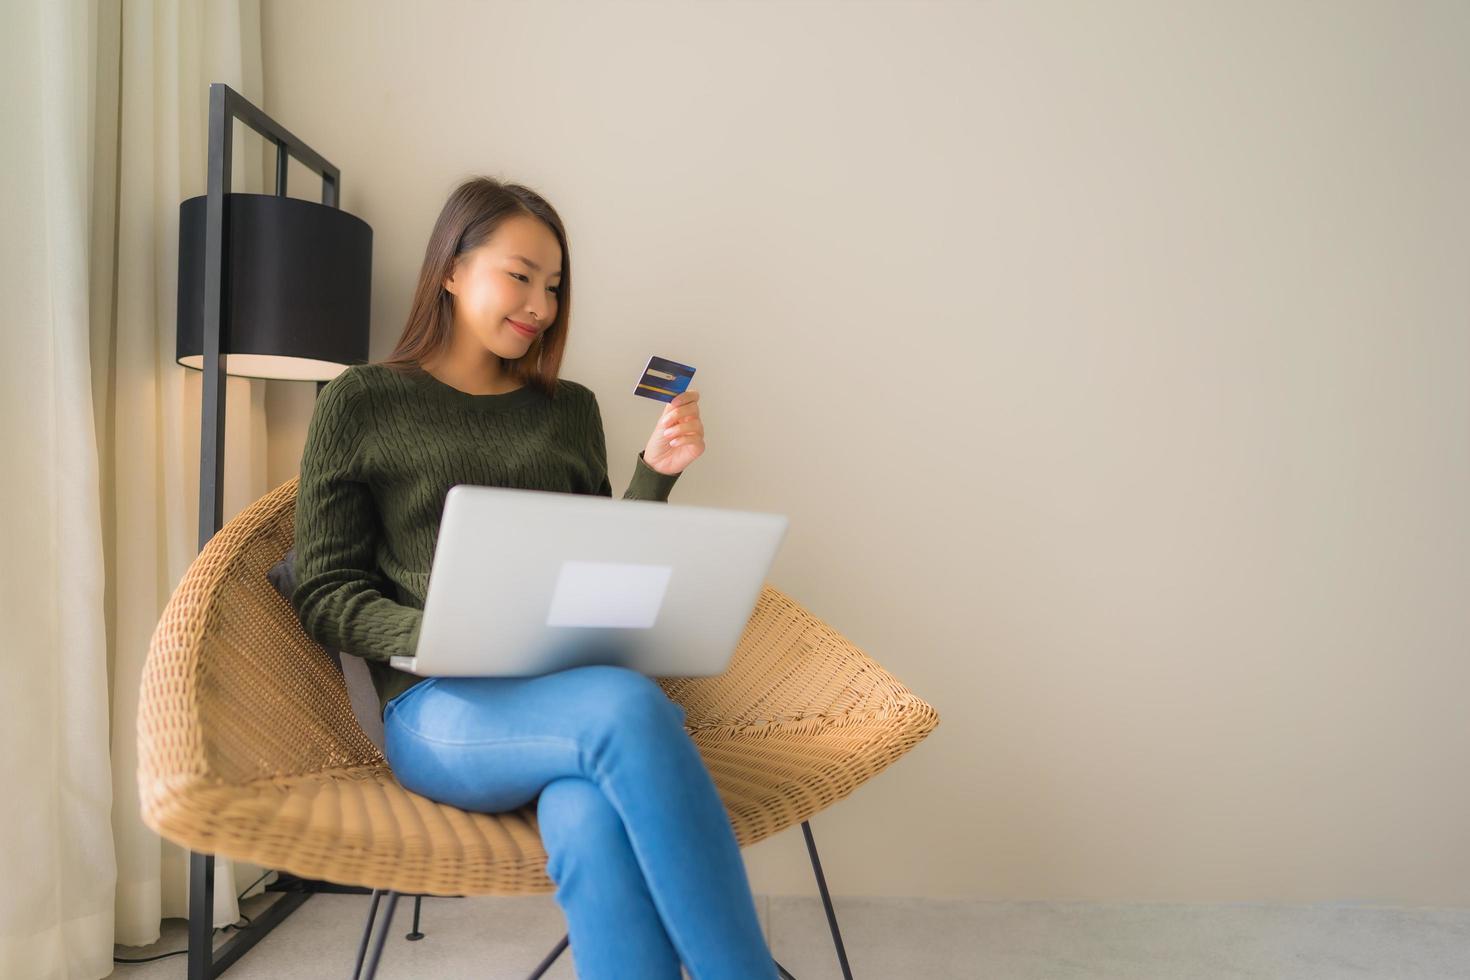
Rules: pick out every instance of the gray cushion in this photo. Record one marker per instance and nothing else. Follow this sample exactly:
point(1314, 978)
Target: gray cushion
point(354, 669)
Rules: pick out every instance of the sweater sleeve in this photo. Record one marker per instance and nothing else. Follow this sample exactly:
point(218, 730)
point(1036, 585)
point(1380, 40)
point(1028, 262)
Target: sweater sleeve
point(341, 596)
point(647, 483)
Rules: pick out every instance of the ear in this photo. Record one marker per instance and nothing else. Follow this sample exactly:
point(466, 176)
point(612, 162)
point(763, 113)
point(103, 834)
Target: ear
point(448, 283)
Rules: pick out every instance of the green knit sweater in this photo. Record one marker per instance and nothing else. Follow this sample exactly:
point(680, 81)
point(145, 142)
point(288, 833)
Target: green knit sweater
point(382, 450)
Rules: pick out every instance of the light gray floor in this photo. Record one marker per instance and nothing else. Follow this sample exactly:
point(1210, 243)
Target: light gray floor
point(494, 938)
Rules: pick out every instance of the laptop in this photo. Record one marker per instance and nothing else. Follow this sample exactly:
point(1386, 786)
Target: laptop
point(529, 582)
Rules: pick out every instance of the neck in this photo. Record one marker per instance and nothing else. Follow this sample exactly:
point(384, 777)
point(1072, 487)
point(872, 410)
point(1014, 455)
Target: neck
point(477, 372)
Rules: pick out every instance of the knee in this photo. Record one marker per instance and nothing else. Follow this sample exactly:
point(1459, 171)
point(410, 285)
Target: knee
point(575, 820)
point(624, 701)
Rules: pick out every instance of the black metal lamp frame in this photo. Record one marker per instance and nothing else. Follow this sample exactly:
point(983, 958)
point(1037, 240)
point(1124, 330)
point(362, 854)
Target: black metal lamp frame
point(225, 106)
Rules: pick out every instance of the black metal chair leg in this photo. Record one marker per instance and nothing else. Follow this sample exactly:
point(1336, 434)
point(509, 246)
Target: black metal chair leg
point(372, 966)
point(811, 846)
point(415, 936)
point(550, 959)
point(366, 932)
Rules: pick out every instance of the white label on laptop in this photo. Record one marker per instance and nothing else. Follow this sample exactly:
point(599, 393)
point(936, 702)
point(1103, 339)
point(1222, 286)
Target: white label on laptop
point(608, 593)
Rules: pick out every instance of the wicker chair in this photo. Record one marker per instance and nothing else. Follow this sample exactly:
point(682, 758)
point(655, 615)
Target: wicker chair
point(248, 746)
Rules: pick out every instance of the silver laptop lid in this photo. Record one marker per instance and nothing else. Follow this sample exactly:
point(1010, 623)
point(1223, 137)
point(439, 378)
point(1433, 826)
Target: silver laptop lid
point(526, 582)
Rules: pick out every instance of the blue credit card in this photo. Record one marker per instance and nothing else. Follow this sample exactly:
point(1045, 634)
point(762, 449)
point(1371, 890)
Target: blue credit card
point(663, 379)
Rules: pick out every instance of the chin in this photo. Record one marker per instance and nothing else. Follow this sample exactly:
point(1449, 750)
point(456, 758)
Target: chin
point(502, 350)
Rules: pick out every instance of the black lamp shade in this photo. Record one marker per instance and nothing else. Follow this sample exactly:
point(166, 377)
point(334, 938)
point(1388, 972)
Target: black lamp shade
point(297, 280)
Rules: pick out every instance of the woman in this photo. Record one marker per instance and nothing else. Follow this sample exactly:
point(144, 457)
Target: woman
point(647, 868)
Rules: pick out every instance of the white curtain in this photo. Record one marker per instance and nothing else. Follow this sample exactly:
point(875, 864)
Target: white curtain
point(103, 133)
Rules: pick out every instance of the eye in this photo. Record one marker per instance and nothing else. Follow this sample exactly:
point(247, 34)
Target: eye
point(554, 289)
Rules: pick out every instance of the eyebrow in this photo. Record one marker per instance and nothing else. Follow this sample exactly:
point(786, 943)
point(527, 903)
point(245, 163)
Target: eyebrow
point(533, 264)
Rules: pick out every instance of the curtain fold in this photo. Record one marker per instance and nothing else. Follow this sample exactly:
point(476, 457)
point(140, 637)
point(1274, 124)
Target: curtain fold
point(105, 116)
point(55, 908)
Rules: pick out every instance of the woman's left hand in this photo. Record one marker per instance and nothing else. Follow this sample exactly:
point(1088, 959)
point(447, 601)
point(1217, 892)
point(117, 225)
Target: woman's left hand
point(678, 438)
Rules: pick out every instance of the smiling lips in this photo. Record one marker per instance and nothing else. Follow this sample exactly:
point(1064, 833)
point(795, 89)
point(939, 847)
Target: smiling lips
point(528, 331)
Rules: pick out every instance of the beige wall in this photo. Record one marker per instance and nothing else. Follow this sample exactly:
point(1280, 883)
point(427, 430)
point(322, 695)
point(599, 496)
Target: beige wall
point(1111, 361)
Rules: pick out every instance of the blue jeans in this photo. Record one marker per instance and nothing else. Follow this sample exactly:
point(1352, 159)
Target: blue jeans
point(638, 843)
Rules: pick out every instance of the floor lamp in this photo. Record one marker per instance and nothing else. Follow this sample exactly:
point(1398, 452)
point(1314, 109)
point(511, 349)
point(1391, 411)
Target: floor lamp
point(269, 287)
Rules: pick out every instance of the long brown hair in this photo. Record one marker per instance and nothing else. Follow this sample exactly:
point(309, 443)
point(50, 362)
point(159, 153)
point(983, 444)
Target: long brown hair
point(474, 210)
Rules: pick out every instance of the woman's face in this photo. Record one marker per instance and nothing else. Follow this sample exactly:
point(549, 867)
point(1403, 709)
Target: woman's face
point(513, 276)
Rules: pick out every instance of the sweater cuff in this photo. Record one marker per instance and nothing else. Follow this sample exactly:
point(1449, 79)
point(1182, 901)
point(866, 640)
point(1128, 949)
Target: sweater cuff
point(413, 634)
point(648, 483)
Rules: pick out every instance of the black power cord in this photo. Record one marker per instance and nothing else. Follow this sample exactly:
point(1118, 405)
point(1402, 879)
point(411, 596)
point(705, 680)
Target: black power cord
point(217, 929)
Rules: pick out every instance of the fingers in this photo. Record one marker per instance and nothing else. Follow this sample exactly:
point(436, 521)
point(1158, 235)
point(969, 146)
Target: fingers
point(689, 427)
point(687, 397)
point(684, 406)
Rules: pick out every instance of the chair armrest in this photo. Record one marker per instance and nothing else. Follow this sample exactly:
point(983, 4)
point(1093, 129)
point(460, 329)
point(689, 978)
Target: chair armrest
point(233, 690)
point(789, 667)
